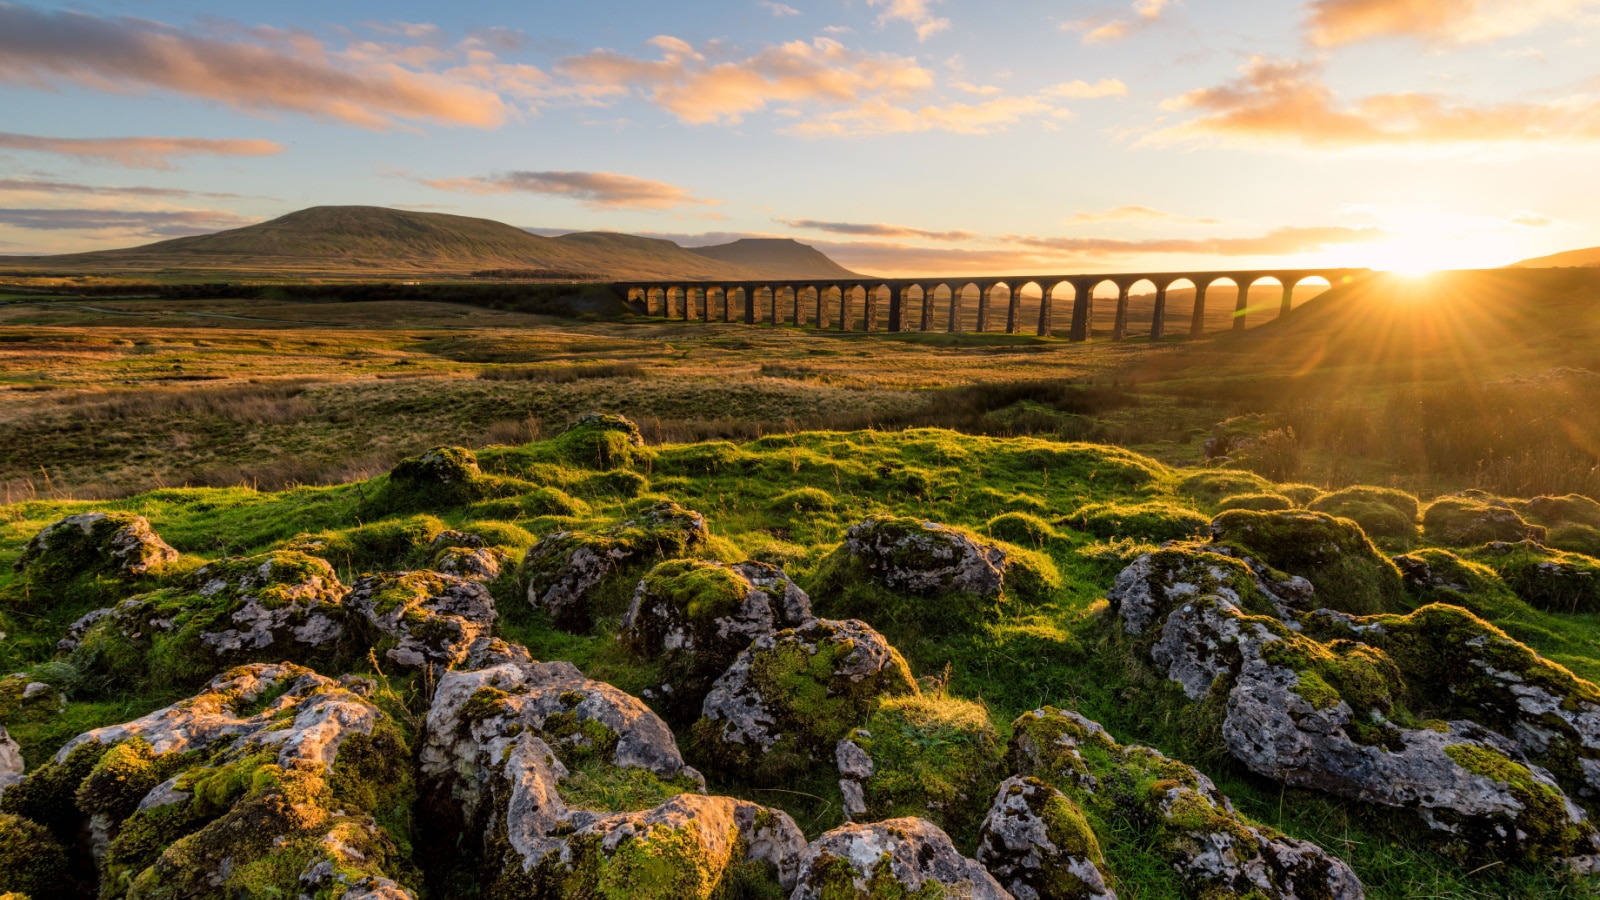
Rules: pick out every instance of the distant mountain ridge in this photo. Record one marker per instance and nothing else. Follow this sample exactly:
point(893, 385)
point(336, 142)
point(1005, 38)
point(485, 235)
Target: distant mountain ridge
point(1571, 258)
point(372, 241)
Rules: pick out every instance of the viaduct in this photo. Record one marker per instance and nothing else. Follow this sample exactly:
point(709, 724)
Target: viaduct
point(834, 300)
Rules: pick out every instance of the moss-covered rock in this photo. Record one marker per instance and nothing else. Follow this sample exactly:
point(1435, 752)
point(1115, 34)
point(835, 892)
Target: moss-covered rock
point(693, 617)
point(1348, 572)
point(899, 859)
point(929, 756)
point(116, 544)
point(437, 479)
point(1383, 513)
point(1150, 521)
point(1265, 502)
point(32, 861)
point(1569, 509)
point(1037, 843)
point(789, 697)
point(1209, 486)
point(1175, 810)
point(1303, 495)
point(404, 542)
point(429, 618)
point(1461, 521)
point(601, 441)
point(1432, 575)
point(1544, 578)
point(1022, 529)
point(567, 572)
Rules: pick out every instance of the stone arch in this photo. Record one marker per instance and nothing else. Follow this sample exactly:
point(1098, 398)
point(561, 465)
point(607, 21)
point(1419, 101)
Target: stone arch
point(1305, 287)
point(875, 309)
point(1260, 299)
point(828, 299)
point(1179, 299)
point(1056, 307)
point(1221, 297)
point(964, 304)
point(1021, 303)
point(852, 300)
point(733, 309)
point(1142, 294)
point(1104, 296)
point(988, 303)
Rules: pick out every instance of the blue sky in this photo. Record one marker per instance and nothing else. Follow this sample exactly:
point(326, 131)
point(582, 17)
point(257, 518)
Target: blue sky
point(900, 136)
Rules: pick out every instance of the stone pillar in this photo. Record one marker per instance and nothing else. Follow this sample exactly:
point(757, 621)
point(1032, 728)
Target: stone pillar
point(1082, 310)
point(1045, 301)
point(955, 309)
point(749, 304)
point(1013, 309)
point(1119, 329)
point(1288, 297)
point(983, 307)
point(1158, 322)
point(1240, 304)
point(797, 310)
point(1197, 322)
point(846, 294)
point(822, 311)
point(896, 310)
point(927, 307)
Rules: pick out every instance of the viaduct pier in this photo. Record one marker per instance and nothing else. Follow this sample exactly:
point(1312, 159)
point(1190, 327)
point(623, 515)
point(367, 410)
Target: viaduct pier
point(832, 302)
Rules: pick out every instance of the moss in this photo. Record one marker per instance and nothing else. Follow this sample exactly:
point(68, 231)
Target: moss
point(934, 757)
point(603, 787)
point(530, 504)
point(1263, 501)
point(1348, 572)
point(1546, 579)
point(1381, 512)
point(80, 546)
point(1574, 538)
point(804, 500)
point(622, 483)
point(1303, 495)
point(48, 795)
point(1151, 521)
point(485, 703)
point(1543, 826)
point(32, 862)
point(124, 775)
point(1432, 575)
point(377, 546)
point(578, 739)
point(1460, 521)
point(600, 441)
point(1571, 509)
point(1211, 485)
point(834, 878)
point(1022, 529)
point(374, 773)
point(662, 863)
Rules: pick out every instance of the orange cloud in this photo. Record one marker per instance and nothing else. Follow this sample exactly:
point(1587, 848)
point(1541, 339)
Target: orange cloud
point(1335, 23)
point(601, 190)
point(1285, 101)
point(137, 152)
point(879, 230)
point(880, 117)
point(1128, 213)
point(133, 223)
point(1107, 28)
point(278, 72)
point(913, 12)
point(1280, 242)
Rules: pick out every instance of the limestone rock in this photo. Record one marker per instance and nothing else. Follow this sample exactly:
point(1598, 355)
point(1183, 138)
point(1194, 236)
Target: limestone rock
point(11, 763)
point(483, 564)
point(1465, 521)
point(790, 696)
point(1037, 844)
point(926, 557)
point(1181, 814)
point(434, 618)
point(1333, 554)
point(696, 616)
point(565, 569)
point(898, 857)
point(275, 599)
point(855, 767)
point(117, 543)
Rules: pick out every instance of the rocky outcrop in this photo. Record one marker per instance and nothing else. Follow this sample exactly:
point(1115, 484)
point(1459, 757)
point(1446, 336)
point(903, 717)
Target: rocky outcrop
point(897, 858)
point(482, 564)
point(118, 544)
point(1037, 844)
point(925, 557)
point(695, 616)
point(565, 570)
point(1334, 555)
point(1178, 812)
point(790, 696)
point(1324, 716)
point(432, 618)
point(11, 764)
point(191, 800)
point(273, 600)
point(1463, 521)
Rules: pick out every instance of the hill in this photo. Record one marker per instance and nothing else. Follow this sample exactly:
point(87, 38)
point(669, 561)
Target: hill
point(780, 256)
point(1581, 258)
point(364, 241)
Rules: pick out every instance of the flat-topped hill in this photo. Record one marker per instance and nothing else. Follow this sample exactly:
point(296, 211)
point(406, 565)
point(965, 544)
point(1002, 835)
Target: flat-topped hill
point(357, 241)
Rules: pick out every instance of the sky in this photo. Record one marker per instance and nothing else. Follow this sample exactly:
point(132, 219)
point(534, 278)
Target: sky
point(901, 137)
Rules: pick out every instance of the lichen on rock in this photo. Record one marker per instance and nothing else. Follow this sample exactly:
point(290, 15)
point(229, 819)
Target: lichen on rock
point(1037, 844)
point(790, 696)
point(432, 618)
point(565, 570)
point(1347, 571)
point(118, 544)
point(1176, 811)
point(694, 617)
point(904, 857)
point(1466, 521)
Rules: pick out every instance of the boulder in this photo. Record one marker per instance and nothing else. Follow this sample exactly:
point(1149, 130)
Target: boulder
point(11, 764)
point(919, 557)
point(433, 618)
point(483, 564)
point(1465, 521)
point(896, 858)
point(1324, 716)
point(33, 864)
point(694, 617)
point(1176, 811)
point(268, 762)
point(1038, 845)
point(1544, 578)
point(565, 570)
point(789, 697)
point(600, 441)
point(118, 544)
point(1344, 567)
point(272, 600)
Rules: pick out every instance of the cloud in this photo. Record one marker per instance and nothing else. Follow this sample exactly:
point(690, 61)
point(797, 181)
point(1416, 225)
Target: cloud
point(779, 9)
point(1128, 213)
point(600, 190)
point(40, 186)
point(1287, 102)
point(879, 230)
point(913, 12)
point(880, 118)
point(1107, 28)
point(274, 71)
point(1532, 220)
point(1083, 90)
point(688, 83)
point(146, 223)
point(1335, 23)
point(1280, 242)
point(137, 152)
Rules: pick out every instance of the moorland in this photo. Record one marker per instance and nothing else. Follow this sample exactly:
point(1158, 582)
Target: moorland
point(1368, 527)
